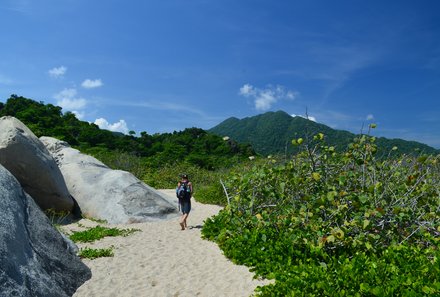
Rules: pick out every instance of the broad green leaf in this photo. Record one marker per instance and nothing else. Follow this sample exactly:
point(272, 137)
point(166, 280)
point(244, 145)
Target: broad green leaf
point(331, 195)
point(338, 233)
point(282, 186)
point(364, 287)
point(330, 238)
point(428, 290)
point(366, 223)
point(363, 198)
point(316, 176)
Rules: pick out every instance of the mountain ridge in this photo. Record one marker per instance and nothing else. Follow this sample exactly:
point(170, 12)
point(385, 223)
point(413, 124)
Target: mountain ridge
point(273, 131)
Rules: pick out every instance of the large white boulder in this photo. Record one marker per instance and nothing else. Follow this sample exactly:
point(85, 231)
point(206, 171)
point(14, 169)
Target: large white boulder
point(113, 195)
point(35, 260)
point(23, 154)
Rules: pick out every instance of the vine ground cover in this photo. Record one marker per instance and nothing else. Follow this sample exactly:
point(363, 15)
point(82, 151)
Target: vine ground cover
point(336, 224)
point(96, 233)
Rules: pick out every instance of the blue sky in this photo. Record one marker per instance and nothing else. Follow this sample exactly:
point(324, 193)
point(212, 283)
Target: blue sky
point(160, 66)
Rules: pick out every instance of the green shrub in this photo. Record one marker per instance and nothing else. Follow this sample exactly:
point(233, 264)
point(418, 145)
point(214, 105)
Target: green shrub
point(119, 160)
point(335, 224)
point(167, 176)
point(206, 183)
point(211, 194)
point(89, 253)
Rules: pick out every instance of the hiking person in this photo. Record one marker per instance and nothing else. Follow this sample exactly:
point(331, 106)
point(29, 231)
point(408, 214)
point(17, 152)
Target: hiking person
point(184, 191)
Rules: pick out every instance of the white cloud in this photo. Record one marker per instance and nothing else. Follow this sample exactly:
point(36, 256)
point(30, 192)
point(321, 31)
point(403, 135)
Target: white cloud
point(309, 117)
point(66, 93)
point(90, 84)
point(265, 98)
point(247, 90)
point(370, 117)
point(291, 95)
point(120, 126)
point(57, 72)
point(68, 101)
point(79, 114)
point(72, 104)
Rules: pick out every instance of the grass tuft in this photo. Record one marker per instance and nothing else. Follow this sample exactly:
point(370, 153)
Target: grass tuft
point(99, 232)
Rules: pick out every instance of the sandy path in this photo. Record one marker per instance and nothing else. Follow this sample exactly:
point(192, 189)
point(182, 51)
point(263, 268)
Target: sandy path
point(162, 260)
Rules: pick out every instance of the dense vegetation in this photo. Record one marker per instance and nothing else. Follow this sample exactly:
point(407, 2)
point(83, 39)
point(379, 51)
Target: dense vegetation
point(271, 132)
point(336, 224)
point(193, 146)
point(333, 219)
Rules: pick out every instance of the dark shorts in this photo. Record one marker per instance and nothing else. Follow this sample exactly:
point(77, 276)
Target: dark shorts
point(185, 206)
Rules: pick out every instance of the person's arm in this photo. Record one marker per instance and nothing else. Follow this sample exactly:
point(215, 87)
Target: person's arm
point(191, 187)
point(178, 185)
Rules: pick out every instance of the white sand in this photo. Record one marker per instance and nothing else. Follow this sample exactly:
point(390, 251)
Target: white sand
point(163, 260)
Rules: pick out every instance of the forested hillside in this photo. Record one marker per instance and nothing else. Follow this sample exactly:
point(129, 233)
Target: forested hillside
point(192, 145)
point(272, 133)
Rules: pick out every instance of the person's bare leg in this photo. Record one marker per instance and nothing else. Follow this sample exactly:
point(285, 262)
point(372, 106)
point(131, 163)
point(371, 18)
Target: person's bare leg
point(182, 224)
point(186, 217)
point(183, 221)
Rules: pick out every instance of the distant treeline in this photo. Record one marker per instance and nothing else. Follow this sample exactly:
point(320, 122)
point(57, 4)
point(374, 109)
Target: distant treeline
point(192, 145)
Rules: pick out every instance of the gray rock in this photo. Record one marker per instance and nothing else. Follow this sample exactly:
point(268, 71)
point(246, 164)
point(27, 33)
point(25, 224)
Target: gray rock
point(23, 154)
point(113, 195)
point(35, 260)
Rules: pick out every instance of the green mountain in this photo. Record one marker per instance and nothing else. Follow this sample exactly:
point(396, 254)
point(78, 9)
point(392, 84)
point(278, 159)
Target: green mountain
point(272, 133)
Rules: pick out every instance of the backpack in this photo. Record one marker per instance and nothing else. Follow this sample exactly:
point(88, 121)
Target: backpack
point(183, 191)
